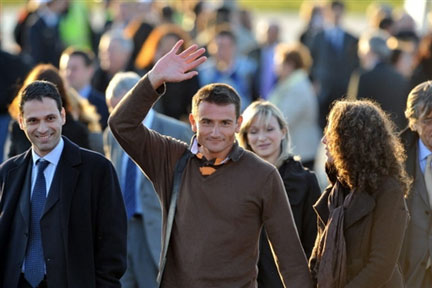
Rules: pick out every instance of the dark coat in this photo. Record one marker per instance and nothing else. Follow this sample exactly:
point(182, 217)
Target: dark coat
point(303, 191)
point(98, 100)
point(12, 74)
point(374, 228)
point(332, 70)
point(42, 42)
point(384, 85)
point(85, 213)
point(417, 245)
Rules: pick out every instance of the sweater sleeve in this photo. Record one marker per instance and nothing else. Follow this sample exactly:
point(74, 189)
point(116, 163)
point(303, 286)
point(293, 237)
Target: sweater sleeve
point(283, 236)
point(155, 154)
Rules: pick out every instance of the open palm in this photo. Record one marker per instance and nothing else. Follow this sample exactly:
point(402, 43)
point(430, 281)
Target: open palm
point(173, 67)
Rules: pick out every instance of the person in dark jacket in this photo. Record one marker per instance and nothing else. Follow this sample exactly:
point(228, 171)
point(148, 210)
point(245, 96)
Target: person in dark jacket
point(265, 132)
point(416, 254)
point(379, 80)
point(362, 215)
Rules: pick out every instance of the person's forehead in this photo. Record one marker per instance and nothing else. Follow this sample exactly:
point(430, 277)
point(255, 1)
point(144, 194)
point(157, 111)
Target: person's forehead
point(45, 104)
point(261, 120)
point(208, 109)
point(76, 59)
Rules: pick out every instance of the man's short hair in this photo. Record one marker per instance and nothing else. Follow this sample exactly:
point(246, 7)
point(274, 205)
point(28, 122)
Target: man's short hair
point(225, 31)
point(377, 43)
point(117, 35)
point(87, 55)
point(217, 93)
point(337, 5)
point(121, 83)
point(419, 103)
point(37, 90)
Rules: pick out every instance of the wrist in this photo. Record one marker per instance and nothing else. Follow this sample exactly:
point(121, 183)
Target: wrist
point(155, 80)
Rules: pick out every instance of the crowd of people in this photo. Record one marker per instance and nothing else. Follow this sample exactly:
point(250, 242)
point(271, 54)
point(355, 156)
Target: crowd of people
point(173, 148)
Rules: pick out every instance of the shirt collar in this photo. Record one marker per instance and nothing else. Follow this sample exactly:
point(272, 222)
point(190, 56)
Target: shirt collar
point(85, 92)
point(148, 120)
point(53, 157)
point(235, 153)
point(423, 151)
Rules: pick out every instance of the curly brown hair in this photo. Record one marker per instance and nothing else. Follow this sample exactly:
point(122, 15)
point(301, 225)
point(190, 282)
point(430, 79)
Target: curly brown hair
point(364, 145)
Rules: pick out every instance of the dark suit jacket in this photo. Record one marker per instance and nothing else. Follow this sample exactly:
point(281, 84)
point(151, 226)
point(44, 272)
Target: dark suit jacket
point(98, 100)
point(384, 85)
point(332, 70)
point(42, 42)
point(83, 225)
point(417, 245)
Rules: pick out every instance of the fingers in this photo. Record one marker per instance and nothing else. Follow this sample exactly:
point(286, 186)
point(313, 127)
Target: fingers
point(196, 63)
point(189, 75)
point(188, 51)
point(177, 46)
point(194, 55)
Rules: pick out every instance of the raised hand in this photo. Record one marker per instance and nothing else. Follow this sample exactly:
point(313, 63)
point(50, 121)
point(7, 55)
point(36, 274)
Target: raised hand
point(173, 67)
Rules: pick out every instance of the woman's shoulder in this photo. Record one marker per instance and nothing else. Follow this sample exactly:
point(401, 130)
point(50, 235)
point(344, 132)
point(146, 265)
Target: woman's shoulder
point(294, 168)
point(295, 176)
point(390, 185)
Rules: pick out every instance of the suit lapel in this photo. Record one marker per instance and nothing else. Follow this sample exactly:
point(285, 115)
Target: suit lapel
point(362, 204)
point(64, 181)
point(420, 184)
point(24, 202)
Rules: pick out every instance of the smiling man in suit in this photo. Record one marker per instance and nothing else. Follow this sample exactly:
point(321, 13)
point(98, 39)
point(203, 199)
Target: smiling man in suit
point(62, 219)
point(144, 211)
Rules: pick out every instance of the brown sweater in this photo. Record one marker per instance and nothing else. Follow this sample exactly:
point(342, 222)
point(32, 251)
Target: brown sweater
point(218, 220)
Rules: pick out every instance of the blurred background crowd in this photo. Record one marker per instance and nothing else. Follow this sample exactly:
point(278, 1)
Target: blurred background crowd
point(81, 45)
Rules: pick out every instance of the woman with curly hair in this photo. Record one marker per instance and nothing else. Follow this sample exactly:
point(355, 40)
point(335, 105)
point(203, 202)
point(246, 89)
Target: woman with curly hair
point(264, 131)
point(362, 215)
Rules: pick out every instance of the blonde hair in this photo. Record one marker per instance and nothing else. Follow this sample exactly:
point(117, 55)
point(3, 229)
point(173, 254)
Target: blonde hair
point(263, 111)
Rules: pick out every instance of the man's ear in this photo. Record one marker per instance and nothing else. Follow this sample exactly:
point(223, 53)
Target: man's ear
point(63, 115)
point(21, 121)
point(239, 122)
point(193, 123)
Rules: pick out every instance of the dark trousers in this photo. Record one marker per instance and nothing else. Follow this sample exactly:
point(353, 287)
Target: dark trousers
point(24, 284)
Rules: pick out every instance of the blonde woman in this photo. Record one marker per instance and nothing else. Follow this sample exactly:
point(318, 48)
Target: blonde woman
point(265, 132)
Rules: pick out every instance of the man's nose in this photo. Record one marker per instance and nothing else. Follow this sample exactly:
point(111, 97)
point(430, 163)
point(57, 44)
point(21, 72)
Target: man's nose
point(215, 130)
point(43, 127)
